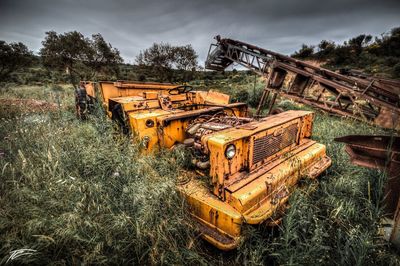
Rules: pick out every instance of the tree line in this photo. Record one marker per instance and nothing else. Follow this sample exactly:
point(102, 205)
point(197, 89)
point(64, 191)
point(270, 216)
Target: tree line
point(77, 57)
point(86, 58)
point(375, 55)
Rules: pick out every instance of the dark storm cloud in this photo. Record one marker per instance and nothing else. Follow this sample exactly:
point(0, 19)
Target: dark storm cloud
point(130, 26)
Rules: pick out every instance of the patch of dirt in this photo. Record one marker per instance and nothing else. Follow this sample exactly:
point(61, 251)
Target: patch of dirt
point(315, 62)
point(28, 105)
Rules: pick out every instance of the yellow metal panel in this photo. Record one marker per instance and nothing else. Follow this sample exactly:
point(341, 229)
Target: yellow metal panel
point(137, 121)
point(214, 97)
point(178, 97)
point(221, 168)
point(265, 208)
point(151, 95)
point(108, 90)
point(172, 133)
point(144, 85)
point(136, 105)
point(129, 99)
point(208, 208)
point(90, 89)
point(286, 174)
point(125, 89)
point(307, 121)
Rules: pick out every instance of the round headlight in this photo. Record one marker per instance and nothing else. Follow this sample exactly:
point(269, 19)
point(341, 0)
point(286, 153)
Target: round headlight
point(230, 151)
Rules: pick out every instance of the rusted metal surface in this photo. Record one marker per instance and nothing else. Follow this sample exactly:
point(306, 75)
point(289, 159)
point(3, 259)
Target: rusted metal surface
point(351, 94)
point(211, 109)
point(380, 152)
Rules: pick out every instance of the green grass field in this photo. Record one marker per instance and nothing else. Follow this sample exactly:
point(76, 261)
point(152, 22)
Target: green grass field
point(78, 192)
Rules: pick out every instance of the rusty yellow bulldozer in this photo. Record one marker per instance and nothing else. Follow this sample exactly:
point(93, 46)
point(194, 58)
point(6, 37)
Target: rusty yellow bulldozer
point(251, 164)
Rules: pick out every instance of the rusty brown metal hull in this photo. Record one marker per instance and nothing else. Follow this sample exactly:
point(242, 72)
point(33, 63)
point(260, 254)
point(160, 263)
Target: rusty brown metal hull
point(378, 152)
point(383, 153)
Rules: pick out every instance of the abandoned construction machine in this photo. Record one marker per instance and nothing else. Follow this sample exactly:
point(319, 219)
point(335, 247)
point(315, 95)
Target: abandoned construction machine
point(156, 113)
point(349, 93)
point(243, 169)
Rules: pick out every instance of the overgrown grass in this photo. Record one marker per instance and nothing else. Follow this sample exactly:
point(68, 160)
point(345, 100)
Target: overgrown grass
point(78, 192)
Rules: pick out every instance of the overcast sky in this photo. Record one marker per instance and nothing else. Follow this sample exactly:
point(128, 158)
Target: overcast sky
point(133, 25)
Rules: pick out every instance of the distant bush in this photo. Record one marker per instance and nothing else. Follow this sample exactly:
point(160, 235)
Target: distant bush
point(80, 57)
point(169, 63)
point(396, 70)
point(13, 57)
point(376, 56)
point(241, 96)
point(304, 52)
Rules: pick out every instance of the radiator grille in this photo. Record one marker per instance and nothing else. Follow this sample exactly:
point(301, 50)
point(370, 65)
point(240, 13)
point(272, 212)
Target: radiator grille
point(267, 146)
